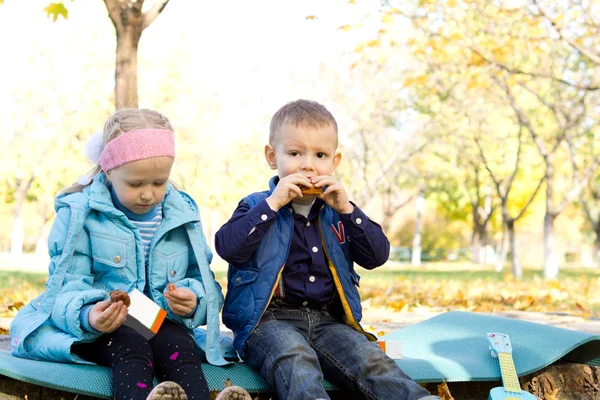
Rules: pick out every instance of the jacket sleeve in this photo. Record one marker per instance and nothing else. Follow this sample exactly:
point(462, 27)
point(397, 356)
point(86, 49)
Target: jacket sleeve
point(76, 291)
point(237, 240)
point(194, 282)
point(370, 246)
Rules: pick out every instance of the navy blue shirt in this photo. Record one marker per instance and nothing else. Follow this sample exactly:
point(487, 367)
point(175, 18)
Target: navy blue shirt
point(306, 278)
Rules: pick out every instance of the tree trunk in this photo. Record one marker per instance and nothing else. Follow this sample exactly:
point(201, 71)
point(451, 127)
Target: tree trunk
point(503, 248)
point(517, 269)
point(16, 239)
point(550, 255)
point(16, 244)
point(128, 20)
point(416, 245)
point(126, 80)
point(597, 243)
point(476, 246)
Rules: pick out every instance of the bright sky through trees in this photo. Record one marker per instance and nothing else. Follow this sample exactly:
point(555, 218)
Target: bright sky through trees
point(244, 52)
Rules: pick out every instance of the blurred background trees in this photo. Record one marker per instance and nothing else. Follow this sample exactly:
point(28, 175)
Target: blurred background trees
point(468, 128)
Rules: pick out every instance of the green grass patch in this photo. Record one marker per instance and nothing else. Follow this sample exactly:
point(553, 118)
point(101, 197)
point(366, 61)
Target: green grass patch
point(15, 279)
point(462, 272)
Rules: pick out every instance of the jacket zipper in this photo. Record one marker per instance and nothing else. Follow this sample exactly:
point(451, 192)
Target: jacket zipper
point(348, 316)
point(269, 301)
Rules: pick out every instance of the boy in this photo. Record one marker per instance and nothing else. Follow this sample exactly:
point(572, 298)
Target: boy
point(292, 300)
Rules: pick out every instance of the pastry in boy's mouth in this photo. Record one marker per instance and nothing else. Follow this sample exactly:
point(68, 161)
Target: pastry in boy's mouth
point(315, 191)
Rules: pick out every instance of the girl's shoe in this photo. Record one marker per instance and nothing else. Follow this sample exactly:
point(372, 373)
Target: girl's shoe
point(167, 390)
point(233, 393)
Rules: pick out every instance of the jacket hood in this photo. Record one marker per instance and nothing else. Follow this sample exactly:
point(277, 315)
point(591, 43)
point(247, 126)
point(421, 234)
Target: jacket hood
point(97, 197)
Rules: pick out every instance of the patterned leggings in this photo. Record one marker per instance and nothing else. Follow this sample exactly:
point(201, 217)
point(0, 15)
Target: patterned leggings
point(171, 355)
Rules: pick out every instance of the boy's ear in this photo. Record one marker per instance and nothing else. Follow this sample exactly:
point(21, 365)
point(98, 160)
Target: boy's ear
point(270, 156)
point(336, 160)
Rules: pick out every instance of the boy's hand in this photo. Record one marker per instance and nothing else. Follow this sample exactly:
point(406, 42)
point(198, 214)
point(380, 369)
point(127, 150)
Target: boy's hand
point(106, 316)
point(287, 189)
point(182, 301)
point(335, 195)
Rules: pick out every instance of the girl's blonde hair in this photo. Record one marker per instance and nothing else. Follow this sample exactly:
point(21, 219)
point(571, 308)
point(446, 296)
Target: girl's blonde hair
point(120, 122)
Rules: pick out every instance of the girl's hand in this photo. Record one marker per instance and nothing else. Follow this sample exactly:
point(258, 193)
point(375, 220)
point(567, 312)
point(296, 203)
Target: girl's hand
point(334, 195)
point(182, 301)
point(287, 189)
point(106, 316)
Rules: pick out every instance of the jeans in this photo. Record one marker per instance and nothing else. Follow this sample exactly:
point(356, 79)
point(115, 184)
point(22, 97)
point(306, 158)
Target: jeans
point(294, 348)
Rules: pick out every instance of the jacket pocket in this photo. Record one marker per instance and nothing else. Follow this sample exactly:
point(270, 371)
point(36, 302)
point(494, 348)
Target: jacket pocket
point(108, 251)
point(174, 265)
point(239, 301)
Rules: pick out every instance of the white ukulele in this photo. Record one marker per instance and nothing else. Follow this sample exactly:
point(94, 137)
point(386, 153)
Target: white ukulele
point(510, 389)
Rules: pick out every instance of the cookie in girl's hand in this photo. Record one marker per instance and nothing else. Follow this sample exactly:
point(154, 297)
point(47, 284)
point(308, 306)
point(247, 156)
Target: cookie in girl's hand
point(116, 295)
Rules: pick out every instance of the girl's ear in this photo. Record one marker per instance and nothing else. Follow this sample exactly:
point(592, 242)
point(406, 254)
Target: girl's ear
point(108, 175)
point(270, 156)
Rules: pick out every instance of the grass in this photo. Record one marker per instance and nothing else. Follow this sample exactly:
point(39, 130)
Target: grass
point(438, 286)
point(15, 279)
point(464, 272)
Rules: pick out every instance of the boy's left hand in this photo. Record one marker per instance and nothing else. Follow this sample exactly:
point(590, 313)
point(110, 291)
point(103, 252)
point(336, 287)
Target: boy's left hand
point(335, 195)
point(182, 301)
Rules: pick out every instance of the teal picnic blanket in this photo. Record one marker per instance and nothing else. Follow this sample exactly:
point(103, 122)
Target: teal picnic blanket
point(451, 346)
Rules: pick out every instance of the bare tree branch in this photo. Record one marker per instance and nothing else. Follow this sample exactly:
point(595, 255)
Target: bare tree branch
point(152, 14)
point(593, 57)
point(517, 71)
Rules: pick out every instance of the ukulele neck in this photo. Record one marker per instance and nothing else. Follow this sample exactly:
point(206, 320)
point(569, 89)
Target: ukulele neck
point(509, 374)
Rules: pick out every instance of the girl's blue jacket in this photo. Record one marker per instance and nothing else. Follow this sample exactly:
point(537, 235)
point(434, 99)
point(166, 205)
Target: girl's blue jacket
point(95, 249)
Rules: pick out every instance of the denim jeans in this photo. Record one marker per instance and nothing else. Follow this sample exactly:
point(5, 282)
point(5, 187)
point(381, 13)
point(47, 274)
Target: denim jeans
point(294, 348)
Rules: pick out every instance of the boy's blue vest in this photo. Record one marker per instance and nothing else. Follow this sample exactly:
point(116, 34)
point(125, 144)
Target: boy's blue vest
point(250, 287)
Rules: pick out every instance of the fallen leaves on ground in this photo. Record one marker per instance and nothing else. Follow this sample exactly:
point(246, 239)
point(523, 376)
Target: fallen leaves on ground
point(427, 293)
point(552, 396)
point(444, 391)
point(579, 297)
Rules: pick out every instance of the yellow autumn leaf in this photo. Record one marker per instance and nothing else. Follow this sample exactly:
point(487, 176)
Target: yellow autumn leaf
point(415, 80)
point(500, 54)
point(345, 28)
point(387, 18)
point(476, 60)
point(398, 305)
point(444, 391)
point(56, 9)
point(310, 17)
point(553, 395)
point(373, 43)
point(451, 3)
point(351, 2)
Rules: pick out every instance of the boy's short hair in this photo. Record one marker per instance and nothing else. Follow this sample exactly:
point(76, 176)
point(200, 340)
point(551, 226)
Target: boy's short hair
point(307, 113)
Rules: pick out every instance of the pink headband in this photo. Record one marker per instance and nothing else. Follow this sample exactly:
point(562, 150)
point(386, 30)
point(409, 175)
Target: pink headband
point(137, 145)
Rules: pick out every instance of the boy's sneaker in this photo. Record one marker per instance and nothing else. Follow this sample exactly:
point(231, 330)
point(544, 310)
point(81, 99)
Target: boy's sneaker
point(233, 393)
point(167, 390)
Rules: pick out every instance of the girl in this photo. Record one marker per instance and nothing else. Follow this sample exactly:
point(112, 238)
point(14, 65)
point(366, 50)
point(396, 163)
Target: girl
point(124, 226)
